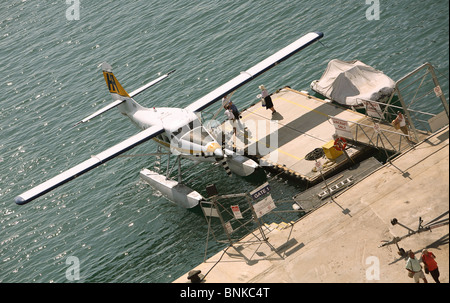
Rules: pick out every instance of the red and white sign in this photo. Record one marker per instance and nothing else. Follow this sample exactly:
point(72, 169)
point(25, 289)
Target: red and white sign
point(264, 206)
point(236, 212)
point(318, 165)
point(373, 109)
point(438, 91)
point(342, 128)
point(376, 127)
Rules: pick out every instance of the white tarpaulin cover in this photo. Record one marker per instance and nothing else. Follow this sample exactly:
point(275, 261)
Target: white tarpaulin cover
point(346, 82)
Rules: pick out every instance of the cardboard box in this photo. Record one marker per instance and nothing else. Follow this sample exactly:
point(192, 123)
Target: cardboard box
point(331, 152)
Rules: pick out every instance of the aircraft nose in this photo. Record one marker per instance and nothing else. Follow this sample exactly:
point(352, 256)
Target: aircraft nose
point(218, 153)
point(214, 147)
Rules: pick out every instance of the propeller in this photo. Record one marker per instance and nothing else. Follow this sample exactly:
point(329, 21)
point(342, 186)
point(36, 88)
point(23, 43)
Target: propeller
point(223, 157)
point(219, 136)
point(226, 167)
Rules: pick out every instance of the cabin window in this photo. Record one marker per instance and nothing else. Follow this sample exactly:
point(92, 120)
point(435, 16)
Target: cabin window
point(198, 135)
point(165, 138)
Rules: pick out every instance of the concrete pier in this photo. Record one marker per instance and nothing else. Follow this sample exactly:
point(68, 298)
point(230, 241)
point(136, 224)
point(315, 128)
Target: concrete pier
point(339, 242)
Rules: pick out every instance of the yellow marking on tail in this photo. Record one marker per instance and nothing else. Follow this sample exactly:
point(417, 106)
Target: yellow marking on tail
point(114, 86)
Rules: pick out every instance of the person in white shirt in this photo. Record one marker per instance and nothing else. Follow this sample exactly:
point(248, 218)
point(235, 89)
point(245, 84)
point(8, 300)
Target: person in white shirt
point(401, 121)
point(414, 268)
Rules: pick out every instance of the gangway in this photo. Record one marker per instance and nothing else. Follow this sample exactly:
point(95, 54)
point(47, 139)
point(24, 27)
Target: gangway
point(231, 217)
point(376, 129)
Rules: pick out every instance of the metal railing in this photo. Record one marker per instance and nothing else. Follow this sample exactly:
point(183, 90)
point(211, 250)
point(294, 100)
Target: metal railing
point(412, 90)
point(409, 90)
point(233, 217)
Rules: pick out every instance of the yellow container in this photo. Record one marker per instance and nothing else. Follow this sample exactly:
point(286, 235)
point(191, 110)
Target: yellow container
point(331, 152)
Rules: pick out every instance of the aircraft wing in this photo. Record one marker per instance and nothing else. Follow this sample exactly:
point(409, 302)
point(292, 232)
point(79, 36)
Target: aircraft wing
point(89, 164)
point(255, 71)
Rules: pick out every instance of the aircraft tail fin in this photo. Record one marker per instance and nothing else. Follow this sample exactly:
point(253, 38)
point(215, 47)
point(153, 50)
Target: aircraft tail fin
point(114, 87)
point(120, 95)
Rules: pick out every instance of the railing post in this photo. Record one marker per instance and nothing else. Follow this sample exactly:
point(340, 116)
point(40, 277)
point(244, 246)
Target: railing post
point(436, 84)
point(406, 112)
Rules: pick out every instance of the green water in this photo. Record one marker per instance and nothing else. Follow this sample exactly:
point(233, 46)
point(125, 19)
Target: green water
point(118, 228)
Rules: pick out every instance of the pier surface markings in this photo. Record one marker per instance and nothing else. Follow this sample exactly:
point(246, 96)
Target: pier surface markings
point(302, 125)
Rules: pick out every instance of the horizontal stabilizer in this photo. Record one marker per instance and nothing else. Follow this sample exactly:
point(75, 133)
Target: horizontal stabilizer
point(100, 111)
point(141, 89)
point(87, 165)
point(255, 71)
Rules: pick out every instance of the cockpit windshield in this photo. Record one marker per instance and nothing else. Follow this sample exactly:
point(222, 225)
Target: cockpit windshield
point(198, 136)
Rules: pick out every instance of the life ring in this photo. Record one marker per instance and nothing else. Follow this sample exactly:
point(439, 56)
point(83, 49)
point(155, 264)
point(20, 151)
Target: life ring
point(340, 143)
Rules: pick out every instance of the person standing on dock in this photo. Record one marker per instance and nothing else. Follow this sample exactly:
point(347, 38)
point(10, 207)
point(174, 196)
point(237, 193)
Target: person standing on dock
point(230, 116)
point(430, 264)
point(414, 268)
point(265, 95)
point(236, 119)
point(237, 115)
point(401, 121)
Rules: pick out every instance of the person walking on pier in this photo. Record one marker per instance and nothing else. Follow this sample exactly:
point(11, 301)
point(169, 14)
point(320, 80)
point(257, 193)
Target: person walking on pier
point(265, 95)
point(430, 264)
point(414, 268)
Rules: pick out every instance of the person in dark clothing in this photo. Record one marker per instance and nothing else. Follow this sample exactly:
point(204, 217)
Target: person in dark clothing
point(267, 99)
point(428, 258)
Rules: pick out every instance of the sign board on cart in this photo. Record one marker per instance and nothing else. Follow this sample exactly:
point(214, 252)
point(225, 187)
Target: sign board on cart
point(210, 212)
point(264, 206)
point(236, 211)
point(260, 191)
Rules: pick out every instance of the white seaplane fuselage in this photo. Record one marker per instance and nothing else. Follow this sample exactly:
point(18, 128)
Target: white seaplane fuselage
point(184, 135)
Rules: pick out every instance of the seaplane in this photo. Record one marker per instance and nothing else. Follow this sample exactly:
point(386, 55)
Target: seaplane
point(178, 131)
